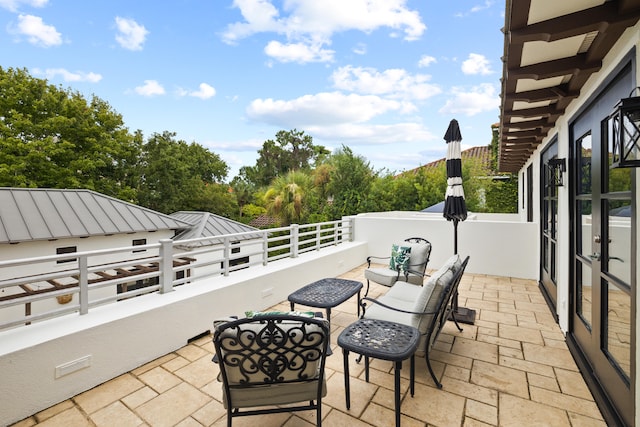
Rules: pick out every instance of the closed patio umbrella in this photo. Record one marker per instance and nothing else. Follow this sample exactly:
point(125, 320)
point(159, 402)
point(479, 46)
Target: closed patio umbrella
point(455, 208)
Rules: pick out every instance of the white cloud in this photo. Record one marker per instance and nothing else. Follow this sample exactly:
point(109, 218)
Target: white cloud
point(479, 99)
point(36, 31)
point(150, 88)
point(322, 109)
point(297, 52)
point(205, 91)
point(396, 83)
point(372, 134)
point(14, 5)
point(477, 8)
point(426, 60)
point(476, 64)
point(312, 22)
point(131, 35)
point(68, 76)
point(360, 49)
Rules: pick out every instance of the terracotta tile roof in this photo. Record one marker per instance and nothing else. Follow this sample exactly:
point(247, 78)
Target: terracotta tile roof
point(482, 153)
point(263, 221)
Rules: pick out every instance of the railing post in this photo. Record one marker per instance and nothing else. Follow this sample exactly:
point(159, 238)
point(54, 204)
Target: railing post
point(350, 224)
point(226, 252)
point(265, 248)
point(166, 266)
point(83, 296)
point(294, 236)
point(318, 237)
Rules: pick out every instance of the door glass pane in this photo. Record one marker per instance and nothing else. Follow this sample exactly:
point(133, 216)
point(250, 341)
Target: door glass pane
point(545, 253)
point(553, 264)
point(618, 262)
point(584, 162)
point(619, 179)
point(618, 328)
point(554, 218)
point(584, 294)
point(584, 240)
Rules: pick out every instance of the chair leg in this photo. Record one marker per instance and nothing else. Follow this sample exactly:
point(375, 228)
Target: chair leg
point(367, 291)
point(433, 375)
point(453, 316)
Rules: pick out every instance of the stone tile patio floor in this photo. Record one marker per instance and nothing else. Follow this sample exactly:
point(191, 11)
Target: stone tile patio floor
point(511, 368)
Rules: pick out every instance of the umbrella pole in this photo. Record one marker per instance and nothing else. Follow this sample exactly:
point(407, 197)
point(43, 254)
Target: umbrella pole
point(455, 237)
point(463, 314)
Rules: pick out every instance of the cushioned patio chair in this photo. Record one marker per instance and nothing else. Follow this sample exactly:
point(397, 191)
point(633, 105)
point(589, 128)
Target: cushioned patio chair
point(426, 308)
point(407, 262)
point(271, 364)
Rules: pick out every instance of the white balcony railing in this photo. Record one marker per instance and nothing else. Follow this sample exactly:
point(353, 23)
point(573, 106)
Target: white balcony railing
point(95, 278)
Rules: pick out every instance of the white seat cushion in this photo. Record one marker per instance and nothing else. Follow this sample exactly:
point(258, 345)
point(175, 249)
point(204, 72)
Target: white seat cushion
point(274, 394)
point(409, 297)
point(381, 275)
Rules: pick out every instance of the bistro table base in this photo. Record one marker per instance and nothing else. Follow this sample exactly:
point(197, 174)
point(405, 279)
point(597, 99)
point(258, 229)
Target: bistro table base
point(384, 340)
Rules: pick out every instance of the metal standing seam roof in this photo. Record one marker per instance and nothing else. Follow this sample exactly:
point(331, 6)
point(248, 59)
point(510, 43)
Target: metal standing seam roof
point(28, 214)
point(206, 224)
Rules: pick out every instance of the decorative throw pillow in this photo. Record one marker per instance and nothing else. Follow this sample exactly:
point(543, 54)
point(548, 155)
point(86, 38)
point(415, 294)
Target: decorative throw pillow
point(400, 257)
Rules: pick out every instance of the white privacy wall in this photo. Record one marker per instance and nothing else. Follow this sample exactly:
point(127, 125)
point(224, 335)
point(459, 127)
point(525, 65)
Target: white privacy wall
point(117, 338)
point(500, 245)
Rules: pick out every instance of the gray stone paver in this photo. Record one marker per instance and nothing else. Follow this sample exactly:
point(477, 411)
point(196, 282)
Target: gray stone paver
point(511, 365)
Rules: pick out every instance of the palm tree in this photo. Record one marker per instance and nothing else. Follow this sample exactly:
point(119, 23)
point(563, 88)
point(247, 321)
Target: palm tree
point(287, 196)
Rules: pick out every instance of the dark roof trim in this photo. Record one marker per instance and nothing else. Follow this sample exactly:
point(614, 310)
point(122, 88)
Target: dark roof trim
point(600, 27)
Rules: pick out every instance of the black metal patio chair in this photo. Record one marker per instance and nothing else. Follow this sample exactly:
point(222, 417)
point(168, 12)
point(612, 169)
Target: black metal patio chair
point(270, 362)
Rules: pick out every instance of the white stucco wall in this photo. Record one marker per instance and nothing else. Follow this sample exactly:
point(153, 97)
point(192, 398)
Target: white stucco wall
point(495, 245)
point(155, 324)
point(629, 40)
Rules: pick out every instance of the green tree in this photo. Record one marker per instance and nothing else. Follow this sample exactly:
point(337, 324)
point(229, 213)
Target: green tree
point(178, 176)
point(245, 194)
point(52, 137)
point(350, 180)
point(288, 197)
point(431, 184)
point(292, 150)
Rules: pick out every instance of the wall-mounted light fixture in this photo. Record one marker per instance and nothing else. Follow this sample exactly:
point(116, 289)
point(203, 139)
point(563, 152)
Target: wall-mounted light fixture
point(624, 132)
point(555, 171)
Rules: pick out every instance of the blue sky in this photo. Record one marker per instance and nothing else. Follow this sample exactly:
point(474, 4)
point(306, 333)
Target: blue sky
point(383, 77)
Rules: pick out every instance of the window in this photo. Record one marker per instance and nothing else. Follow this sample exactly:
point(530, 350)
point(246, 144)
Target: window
point(139, 242)
point(66, 250)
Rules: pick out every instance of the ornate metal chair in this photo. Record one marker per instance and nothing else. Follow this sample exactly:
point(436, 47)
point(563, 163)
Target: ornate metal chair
point(413, 271)
point(272, 360)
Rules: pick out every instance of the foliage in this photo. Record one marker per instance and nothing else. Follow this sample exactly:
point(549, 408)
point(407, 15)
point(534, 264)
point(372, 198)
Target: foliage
point(502, 195)
point(350, 179)
point(291, 151)
point(249, 212)
point(180, 176)
point(244, 192)
point(287, 197)
point(55, 138)
point(432, 185)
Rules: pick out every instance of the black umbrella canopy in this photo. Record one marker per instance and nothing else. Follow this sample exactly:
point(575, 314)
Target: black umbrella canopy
point(455, 208)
